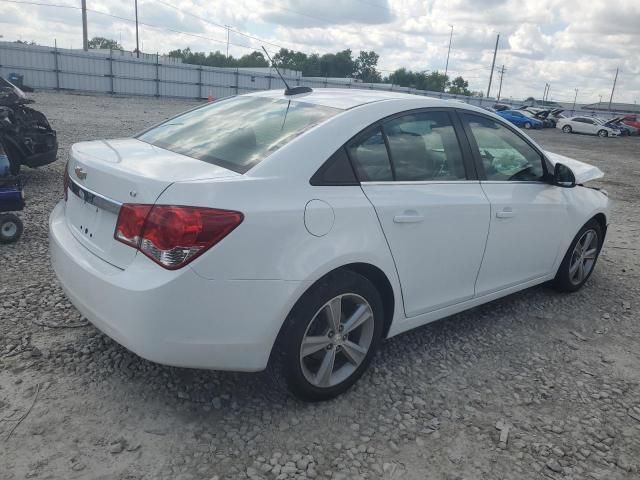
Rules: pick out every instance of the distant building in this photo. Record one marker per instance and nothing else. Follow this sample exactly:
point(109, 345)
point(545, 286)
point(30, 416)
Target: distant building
point(615, 106)
point(334, 80)
point(286, 73)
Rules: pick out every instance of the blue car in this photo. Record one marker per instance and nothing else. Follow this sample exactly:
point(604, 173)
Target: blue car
point(520, 119)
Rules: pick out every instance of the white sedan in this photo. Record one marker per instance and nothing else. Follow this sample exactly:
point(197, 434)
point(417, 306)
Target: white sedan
point(295, 232)
point(591, 126)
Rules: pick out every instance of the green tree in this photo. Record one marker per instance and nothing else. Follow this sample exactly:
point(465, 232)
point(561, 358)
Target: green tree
point(253, 59)
point(365, 67)
point(459, 86)
point(106, 43)
point(434, 81)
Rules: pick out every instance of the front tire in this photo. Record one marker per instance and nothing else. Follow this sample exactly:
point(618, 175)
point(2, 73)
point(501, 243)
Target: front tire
point(10, 228)
point(566, 129)
point(527, 125)
point(603, 133)
point(581, 257)
point(329, 338)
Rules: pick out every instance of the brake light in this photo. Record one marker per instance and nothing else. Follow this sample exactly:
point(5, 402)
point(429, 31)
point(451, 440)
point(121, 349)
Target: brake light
point(65, 181)
point(130, 223)
point(173, 235)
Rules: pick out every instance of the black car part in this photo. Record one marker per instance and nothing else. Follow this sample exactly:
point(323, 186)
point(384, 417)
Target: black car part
point(25, 133)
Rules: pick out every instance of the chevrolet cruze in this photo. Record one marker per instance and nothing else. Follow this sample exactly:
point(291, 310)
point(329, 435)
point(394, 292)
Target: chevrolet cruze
point(294, 232)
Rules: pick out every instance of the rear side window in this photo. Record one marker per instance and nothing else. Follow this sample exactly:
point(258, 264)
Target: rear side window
point(424, 147)
point(237, 133)
point(368, 153)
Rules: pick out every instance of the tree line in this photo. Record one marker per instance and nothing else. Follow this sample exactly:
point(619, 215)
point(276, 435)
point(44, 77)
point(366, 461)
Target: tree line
point(342, 64)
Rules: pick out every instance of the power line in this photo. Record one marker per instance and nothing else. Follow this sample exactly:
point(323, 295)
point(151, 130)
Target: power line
point(150, 25)
point(210, 22)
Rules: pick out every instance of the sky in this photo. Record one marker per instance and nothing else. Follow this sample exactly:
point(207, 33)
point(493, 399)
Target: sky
point(570, 44)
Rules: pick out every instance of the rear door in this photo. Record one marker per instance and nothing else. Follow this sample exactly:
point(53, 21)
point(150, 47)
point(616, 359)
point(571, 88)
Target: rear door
point(580, 125)
point(528, 214)
point(422, 183)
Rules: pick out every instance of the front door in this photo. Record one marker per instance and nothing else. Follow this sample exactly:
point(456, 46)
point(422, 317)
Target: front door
point(528, 214)
point(434, 215)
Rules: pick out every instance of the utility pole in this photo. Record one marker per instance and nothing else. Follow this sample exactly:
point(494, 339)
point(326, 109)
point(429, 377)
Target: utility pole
point(573, 110)
point(493, 64)
point(228, 28)
point(545, 95)
point(137, 35)
point(85, 36)
point(613, 89)
point(446, 68)
point(500, 89)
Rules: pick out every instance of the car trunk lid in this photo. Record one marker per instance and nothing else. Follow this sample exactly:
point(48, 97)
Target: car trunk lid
point(107, 173)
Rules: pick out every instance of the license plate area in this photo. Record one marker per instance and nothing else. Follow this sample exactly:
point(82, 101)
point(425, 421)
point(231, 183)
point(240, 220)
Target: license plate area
point(92, 220)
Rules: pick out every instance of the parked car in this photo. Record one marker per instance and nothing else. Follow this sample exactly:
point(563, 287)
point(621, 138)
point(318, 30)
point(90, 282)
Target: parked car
point(538, 114)
point(632, 121)
point(500, 106)
point(295, 232)
point(520, 119)
point(25, 133)
point(586, 125)
point(616, 124)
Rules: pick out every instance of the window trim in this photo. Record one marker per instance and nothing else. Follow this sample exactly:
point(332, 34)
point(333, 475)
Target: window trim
point(317, 179)
point(475, 149)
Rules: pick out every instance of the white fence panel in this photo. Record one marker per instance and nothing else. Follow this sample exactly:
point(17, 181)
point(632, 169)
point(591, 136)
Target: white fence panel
point(122, 73)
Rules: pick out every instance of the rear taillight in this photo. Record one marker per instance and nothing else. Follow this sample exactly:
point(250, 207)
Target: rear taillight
point(172, 235)
point(65, 181)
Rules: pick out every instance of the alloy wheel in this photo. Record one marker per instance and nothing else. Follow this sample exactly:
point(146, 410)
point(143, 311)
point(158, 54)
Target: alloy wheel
point(583, 257)
point(337, 340)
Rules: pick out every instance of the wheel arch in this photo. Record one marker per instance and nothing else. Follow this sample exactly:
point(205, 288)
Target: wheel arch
point(375, 275)
point(602, 221)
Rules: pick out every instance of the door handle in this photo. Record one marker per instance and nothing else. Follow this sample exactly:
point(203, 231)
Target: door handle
point(507, 212)
point(408, 218)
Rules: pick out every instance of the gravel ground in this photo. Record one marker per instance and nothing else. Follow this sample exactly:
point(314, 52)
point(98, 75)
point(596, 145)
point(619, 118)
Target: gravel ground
point(536, 385)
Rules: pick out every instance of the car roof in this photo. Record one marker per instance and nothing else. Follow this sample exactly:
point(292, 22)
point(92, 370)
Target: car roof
point(347, 98)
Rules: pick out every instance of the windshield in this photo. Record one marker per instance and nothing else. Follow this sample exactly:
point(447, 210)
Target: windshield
point(239, 132)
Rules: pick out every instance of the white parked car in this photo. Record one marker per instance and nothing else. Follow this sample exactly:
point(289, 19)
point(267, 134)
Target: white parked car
point(296, 232)
point(587, 125)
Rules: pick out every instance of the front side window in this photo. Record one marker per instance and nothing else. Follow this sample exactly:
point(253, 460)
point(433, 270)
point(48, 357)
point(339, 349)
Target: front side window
point(505, 155)
point(239, 132)
point(424, 147)
point(368, 153)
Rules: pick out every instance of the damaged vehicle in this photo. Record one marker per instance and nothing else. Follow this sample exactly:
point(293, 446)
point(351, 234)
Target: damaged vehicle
point(25, 133)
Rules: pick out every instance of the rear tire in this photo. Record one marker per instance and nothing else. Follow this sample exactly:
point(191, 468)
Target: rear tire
point(581, 257)
point(10, 228)
point(567, 129)
point(310, 339)
point(603, 133)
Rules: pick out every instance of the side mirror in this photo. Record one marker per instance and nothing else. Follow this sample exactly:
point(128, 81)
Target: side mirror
point(563, 176)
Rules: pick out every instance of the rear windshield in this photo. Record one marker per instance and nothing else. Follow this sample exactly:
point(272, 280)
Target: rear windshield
point(239, 132)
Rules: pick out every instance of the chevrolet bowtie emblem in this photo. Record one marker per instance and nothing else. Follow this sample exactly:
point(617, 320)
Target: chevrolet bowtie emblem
point(80, 173)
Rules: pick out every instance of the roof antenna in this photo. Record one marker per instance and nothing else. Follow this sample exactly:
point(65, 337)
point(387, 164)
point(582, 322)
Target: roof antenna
point(288, 91)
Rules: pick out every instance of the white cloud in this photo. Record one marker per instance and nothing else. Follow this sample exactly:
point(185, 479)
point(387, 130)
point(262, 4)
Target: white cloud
point(569, 43)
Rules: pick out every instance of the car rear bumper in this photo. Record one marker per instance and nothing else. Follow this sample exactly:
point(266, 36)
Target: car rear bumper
point(172, 317)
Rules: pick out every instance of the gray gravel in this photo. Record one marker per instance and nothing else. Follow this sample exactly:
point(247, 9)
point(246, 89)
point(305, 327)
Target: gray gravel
point(536, 385)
